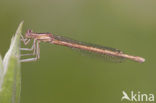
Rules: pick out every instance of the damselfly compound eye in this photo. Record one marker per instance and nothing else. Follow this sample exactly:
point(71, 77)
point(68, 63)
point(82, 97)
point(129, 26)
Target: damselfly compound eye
point(28, 33)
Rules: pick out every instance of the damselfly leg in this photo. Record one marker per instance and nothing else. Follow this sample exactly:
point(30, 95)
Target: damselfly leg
point(35, 48)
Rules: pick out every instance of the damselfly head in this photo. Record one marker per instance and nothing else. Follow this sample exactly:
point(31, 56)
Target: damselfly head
point(28, 34)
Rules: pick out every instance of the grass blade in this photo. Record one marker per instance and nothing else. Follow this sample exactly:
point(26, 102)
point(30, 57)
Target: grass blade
point(10, 75)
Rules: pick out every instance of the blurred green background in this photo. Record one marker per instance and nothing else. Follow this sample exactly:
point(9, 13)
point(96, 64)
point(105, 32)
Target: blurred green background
point(65, 76)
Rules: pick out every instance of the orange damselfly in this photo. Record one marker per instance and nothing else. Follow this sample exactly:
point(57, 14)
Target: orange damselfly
point(63, 41)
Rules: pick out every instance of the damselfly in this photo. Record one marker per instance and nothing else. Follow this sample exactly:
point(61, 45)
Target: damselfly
point(63, 41)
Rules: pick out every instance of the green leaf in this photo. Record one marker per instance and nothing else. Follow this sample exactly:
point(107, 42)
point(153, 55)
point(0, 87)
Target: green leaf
point(10, 71)
point(1, 71)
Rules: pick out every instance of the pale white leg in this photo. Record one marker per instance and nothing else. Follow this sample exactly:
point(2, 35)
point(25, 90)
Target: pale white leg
point(35, 48)
point(37, 53)
point(30, 49)
point(28, 60)
point(25, 40)
point(38, 49)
